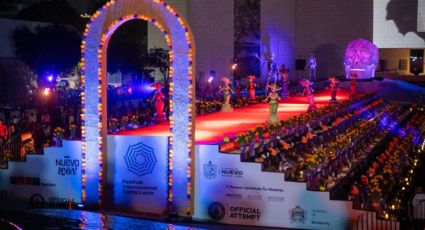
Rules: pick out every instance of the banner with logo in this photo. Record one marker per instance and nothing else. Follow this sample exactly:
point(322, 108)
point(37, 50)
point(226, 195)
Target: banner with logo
point(139, 171)
point(52, 179)
point(234, 192)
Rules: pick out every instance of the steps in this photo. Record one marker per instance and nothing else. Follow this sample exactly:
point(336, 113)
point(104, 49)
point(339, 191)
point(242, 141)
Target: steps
point(47, 180)
point(358, 219)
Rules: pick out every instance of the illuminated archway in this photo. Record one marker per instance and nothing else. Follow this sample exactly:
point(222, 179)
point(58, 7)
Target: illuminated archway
point(94, 115)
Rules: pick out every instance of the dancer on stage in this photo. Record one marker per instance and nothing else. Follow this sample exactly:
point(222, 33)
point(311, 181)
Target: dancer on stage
point(312, 65)
point(308, 91)
point(238, 87)
point(333, 86)
point(251, 89)
point(158, 99)
point(353, 85)
point(226, 107)
point(273, 104)
point(284, 78)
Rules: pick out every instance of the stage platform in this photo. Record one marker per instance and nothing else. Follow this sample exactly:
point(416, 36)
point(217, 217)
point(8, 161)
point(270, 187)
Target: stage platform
point(212, 128)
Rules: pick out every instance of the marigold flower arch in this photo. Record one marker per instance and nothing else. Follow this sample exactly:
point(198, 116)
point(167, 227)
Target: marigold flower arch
point(94, 45)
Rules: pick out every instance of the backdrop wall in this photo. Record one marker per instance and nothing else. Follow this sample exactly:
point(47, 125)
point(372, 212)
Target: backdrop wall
point(229, 191)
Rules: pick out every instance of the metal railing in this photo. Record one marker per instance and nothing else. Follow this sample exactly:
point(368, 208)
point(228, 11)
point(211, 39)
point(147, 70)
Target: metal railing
point(14, 151)
point(369, 221)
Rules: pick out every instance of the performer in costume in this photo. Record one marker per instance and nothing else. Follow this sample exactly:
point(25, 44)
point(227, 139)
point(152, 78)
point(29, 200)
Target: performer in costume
point(312, 65)
point(251, 89)
point(333, 86)
point(226, 106)
point(353, 85)
point(238, 87)
point(273, 104)
point(284, 78)
point(308, 91)
point(158, 99)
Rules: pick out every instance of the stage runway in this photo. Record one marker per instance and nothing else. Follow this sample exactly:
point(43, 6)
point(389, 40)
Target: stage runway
point(212, 128)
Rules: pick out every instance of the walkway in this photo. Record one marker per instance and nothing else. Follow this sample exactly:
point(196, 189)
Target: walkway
point(212, 128)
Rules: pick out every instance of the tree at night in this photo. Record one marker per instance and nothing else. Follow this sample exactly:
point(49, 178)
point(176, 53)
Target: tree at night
point(51, 49)
point(14, 84)
point(159, 58)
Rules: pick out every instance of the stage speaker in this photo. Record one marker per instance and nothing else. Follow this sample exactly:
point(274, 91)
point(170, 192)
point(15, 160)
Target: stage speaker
point(300, 64)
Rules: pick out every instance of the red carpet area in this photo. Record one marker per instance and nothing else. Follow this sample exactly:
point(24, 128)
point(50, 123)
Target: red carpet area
point(212, 128)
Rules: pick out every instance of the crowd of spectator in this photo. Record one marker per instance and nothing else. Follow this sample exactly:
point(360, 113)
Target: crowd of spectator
point(127, 115)
point(365, 149)
point(44, 128)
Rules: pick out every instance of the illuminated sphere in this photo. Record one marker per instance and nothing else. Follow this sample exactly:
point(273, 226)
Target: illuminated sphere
point(361, 59)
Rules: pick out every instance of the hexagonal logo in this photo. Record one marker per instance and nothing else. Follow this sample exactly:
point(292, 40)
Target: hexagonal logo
point(140, 159)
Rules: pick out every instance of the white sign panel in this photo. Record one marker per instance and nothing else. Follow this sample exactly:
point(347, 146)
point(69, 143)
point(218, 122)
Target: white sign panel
point(49, 180)
point(139, 172)
point(232, 192)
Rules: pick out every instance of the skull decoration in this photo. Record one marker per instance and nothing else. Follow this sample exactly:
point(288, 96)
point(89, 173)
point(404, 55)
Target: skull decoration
point(361, 59)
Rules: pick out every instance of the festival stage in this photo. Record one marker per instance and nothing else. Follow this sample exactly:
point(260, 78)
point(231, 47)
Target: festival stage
point(212, 128)
point(138, 172)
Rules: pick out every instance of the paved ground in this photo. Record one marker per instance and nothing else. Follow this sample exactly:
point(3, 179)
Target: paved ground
point(77, 219)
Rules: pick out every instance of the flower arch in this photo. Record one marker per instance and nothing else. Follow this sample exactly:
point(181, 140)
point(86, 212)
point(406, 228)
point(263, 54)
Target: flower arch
point(94, 113)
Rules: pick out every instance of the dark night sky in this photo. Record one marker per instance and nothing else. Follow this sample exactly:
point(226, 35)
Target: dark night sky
point(79, 5)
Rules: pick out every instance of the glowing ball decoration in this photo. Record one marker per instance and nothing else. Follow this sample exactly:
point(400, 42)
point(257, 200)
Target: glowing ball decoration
point(361, 59)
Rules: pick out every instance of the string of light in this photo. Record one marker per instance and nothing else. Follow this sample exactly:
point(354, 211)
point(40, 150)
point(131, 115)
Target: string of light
point(115, 24)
